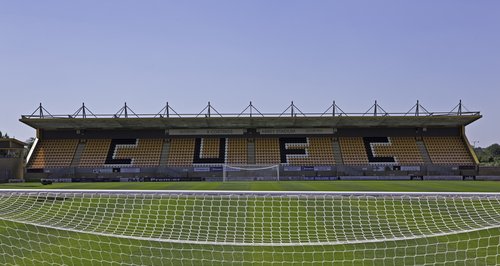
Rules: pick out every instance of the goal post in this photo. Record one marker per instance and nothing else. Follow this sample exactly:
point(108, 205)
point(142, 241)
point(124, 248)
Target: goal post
point(88, 227)
point(250, 172)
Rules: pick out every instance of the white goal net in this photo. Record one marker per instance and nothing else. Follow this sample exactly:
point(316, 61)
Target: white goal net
point(247, 228)
point(250, 173)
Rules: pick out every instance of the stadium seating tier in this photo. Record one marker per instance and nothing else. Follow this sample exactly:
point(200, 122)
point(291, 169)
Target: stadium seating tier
point(299, 151)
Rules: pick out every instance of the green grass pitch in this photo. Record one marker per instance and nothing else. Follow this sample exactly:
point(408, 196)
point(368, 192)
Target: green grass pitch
point(32, 244)
point(344, 185)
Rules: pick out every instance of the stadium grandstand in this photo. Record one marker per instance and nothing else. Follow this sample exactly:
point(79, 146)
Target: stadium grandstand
point(251, 145)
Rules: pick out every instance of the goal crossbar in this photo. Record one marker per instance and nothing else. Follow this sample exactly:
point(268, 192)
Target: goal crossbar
point(257, 192)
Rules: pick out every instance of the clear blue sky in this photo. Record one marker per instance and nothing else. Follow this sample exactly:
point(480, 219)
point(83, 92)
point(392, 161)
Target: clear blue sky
point(103, 53)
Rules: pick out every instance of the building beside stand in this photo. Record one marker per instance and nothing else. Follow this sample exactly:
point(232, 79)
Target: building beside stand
point(11, 160)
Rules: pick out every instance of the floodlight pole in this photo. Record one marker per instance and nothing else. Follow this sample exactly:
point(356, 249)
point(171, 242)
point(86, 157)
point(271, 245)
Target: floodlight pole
point(165, 111)
point(251, 108)
point(84, 115)
point(40, 111)
point(334, 108)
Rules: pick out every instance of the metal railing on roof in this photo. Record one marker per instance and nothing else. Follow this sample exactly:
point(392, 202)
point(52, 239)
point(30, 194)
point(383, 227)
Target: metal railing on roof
point(292, 110)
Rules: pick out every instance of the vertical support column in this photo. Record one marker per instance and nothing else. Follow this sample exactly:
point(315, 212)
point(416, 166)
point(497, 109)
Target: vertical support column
point(164, 153)
point(251, 151)
point(78, 154)
point(337, 153)
point(424, 152)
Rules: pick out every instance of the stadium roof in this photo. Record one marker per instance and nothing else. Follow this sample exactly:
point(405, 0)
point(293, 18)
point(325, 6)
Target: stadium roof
point(292, 117)
point(8, 143)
